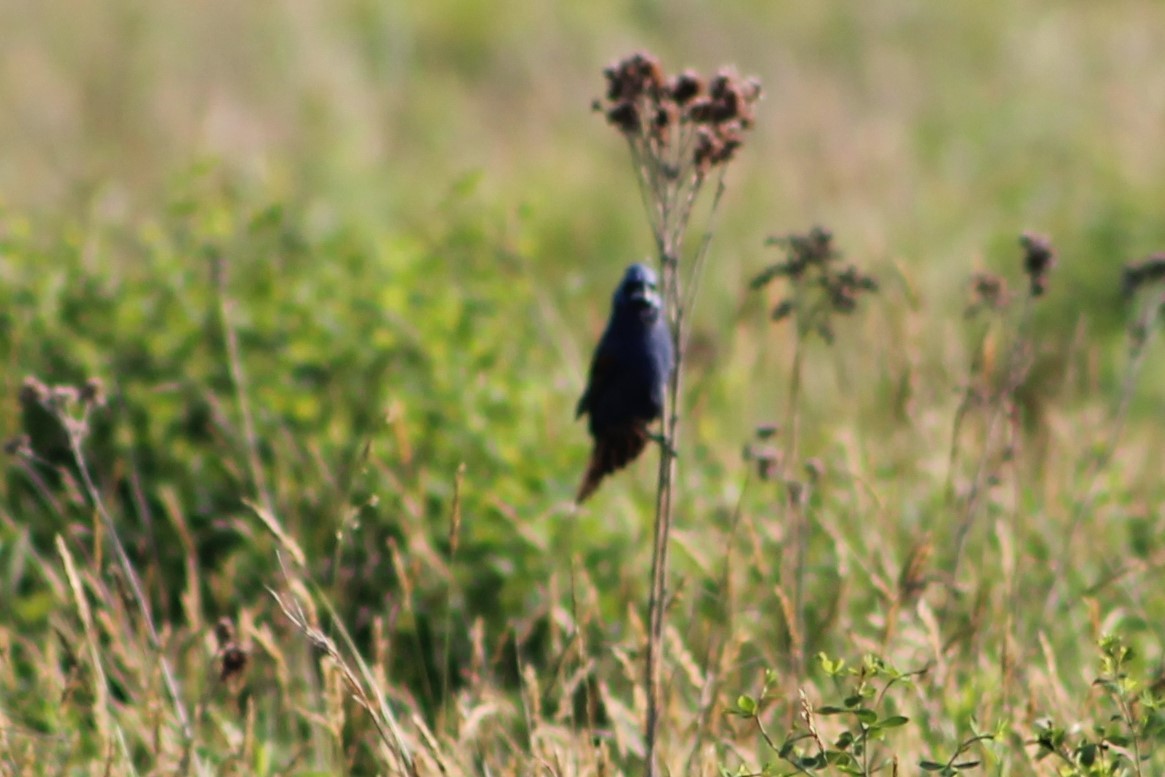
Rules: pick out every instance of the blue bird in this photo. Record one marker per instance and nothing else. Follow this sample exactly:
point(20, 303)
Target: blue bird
point(629, 371)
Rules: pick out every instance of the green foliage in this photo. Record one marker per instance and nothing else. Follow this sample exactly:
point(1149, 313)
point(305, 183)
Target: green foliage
point(864, 713)
point(1123, 737)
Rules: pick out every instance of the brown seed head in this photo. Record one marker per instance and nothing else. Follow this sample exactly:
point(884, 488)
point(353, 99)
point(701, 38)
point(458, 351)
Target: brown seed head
point(685, 86)
point(634, 76)
point(767, 458)
point(232, 656)
point(681, 125)
point(232, 662)
point(663, 119)
point(93, 392)
point(625, 116)
point(1038, 260)
point(988, 292)
point(706, 148)
point(701, 110)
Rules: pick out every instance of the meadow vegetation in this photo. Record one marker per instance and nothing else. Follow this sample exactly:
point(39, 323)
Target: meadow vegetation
point(296, 301)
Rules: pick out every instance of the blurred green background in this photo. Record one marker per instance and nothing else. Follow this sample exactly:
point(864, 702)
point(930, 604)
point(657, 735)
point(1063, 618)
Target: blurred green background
point(413, 220)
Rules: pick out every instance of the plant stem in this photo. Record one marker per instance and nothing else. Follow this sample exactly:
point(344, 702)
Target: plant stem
point(1015, 371)
point(76, 432)
point(657, 602)
point(1144, 330)
point(239, 380)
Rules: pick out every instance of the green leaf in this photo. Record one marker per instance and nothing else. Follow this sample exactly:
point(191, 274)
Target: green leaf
point(894, 721)
point(831, 667)
point(746, 705)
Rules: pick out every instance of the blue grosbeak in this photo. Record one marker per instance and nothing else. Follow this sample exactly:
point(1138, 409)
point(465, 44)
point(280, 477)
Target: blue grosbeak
point(629, 370)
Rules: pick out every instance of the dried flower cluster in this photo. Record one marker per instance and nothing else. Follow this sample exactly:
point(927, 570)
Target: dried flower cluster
point(33, 391)
point(50, 415)
point(767, 457)
point(988, 292)
point(232, 657)
point(1138, 275)
point(1038, 260)
point(680, 121)
point(821, 285)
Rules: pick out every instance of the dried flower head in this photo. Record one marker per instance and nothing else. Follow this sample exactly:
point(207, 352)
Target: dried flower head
point(674, 124)
point(767, 458)
point(634, 76)
point(988, 291)
point(1039, 258)
point(820, 285)
point(625, 115)
point(684, 86)
point(93, 392)
point(814, 249)
point(232, 657)
point(767, 430)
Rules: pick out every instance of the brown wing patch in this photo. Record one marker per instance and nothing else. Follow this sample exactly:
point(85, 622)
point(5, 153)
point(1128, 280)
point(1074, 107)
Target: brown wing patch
point(613, 450)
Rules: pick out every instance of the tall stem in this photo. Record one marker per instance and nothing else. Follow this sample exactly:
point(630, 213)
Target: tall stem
point(657, 603)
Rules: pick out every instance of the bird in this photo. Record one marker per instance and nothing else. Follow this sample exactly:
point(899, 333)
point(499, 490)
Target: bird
point(630, 368)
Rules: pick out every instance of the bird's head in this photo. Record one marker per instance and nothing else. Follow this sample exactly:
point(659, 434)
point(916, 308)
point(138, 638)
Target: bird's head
point(638, 291)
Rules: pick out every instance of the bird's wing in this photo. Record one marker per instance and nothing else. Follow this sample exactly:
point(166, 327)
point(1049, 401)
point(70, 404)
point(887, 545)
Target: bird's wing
point(602, 370)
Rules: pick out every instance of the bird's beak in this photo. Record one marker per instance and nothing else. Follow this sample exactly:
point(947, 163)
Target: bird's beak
point(643, 296)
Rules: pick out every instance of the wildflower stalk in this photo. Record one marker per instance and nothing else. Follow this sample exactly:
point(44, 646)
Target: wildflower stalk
point(679, 132)
point(61, 402)
point(819, 288)
point(1039, 258)
point(1147, 276)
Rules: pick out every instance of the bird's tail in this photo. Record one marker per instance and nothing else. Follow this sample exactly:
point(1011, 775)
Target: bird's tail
point(614, 449)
